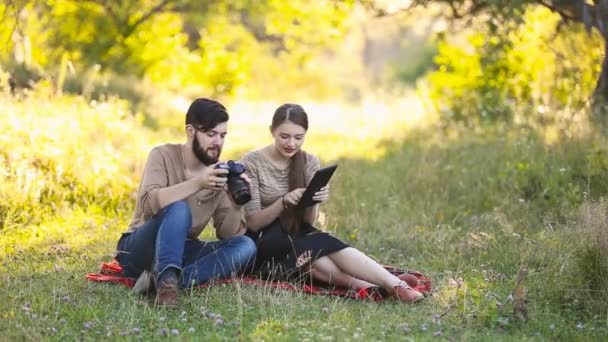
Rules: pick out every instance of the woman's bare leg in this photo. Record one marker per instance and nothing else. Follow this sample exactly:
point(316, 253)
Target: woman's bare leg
point(359, 265)
point(324, 269)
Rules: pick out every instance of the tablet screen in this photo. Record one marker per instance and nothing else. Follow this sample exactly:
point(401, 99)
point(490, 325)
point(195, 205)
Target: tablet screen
point(319, 180)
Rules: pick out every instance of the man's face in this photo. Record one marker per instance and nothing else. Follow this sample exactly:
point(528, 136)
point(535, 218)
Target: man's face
point(207, 146)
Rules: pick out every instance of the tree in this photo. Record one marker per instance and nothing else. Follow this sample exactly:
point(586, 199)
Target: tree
point(593, 14)
point(208, 43)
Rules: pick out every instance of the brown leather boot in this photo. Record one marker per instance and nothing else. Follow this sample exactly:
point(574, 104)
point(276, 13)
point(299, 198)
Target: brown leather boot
point(410, 279)
point(404, 293)
point(167, 294)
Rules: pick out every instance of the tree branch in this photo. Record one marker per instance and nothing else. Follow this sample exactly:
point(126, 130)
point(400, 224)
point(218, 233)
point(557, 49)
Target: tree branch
point(600, 7)
point(17, 13)
point(125, 28)
point(556, 10)
point(154, 10)
point(474, 8)
point(107, 8)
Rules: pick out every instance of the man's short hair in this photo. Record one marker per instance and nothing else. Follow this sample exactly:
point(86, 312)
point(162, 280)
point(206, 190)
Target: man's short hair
point(205, 114)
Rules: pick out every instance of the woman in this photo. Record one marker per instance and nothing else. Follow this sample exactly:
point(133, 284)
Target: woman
point(288, 243)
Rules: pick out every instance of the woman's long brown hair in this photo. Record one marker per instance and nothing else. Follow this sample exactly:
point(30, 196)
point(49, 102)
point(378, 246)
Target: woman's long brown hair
point(293, 217)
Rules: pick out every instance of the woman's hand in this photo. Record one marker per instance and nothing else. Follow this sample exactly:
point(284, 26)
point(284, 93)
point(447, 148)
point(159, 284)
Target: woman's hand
point(293, 197)
point(246, 179)
point(322, 195)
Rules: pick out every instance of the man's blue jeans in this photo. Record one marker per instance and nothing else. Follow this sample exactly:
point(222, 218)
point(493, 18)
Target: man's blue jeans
point(161, 243)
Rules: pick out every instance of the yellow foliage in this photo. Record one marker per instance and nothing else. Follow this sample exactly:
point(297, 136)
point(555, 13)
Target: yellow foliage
point(524, 72)
point(65, 152)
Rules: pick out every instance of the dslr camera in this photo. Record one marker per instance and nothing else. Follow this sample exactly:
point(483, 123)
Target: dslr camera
point(237, 186)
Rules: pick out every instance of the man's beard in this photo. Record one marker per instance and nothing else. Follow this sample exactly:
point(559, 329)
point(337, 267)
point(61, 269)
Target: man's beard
point(203, 155)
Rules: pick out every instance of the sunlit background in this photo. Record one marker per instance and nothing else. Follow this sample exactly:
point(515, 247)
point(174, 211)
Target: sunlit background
point(467, 133)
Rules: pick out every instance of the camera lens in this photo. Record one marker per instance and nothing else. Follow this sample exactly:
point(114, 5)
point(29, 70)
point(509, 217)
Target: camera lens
point(239, 189)
point(241, 197)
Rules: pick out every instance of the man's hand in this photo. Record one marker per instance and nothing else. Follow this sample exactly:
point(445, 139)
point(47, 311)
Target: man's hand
point(322, 195)
point(212, 178)
point(293, 197)
point(246, 179)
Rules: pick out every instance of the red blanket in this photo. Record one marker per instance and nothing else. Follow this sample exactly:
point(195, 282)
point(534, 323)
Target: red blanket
point(111, 272)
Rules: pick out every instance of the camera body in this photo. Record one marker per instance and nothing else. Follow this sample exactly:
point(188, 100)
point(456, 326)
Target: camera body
point(237, 186)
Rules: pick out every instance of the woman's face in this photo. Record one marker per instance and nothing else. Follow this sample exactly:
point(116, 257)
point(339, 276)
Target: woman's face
point(288, 138)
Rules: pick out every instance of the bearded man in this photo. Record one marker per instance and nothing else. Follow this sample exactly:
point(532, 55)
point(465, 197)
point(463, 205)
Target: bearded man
point(180, 192)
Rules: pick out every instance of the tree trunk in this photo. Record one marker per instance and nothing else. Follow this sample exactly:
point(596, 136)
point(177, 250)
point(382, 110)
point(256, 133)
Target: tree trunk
point(601, 89)
point(600, 95)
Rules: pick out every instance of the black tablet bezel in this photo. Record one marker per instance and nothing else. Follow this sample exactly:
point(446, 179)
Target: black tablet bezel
point(319, 180)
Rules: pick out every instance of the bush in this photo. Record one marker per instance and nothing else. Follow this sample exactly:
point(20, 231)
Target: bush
point(523, 73)
point(60, 154)
point(592, 255)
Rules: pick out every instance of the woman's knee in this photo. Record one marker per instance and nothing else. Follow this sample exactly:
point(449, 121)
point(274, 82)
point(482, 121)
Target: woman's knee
point(325, 265)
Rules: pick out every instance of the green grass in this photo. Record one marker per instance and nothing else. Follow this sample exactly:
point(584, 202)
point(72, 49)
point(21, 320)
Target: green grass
point(469, 210)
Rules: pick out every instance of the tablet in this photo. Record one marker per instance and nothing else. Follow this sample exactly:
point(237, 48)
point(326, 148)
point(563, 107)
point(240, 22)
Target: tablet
point(319, 180)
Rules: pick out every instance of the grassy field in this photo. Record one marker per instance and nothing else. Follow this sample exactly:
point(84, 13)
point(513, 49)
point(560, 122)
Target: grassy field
point(512, 231)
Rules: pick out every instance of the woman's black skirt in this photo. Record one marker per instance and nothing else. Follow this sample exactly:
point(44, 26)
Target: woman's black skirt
point(283, 256)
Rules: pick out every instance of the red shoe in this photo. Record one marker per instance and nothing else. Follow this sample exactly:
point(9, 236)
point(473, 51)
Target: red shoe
point(410, 279)
point(404, 293)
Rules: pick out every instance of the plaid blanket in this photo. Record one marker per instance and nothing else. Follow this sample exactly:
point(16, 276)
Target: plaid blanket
point(111, 272)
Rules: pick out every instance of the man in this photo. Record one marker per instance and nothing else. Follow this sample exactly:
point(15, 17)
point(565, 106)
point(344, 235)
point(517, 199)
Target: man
point(180, 192)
